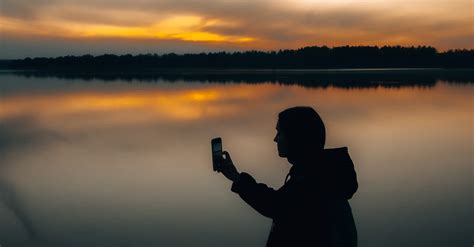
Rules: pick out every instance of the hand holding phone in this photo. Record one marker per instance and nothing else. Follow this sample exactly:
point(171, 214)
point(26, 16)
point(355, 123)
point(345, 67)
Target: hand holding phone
point(221, 160)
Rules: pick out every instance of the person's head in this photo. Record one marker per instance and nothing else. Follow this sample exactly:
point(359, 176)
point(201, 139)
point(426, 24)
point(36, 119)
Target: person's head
point(300, 132)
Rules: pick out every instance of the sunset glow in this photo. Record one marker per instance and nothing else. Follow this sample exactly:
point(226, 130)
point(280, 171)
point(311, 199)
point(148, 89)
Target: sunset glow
point(59, 27)
point(177, 105)
point(174, 28)
point(195, 104)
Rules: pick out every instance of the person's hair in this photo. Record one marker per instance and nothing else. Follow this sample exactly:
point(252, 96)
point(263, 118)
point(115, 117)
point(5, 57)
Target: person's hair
point(303, 128)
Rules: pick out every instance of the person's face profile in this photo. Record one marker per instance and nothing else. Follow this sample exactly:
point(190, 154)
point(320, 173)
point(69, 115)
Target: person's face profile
point(282, 142)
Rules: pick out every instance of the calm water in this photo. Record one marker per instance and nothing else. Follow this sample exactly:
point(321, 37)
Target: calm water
point(127, 163)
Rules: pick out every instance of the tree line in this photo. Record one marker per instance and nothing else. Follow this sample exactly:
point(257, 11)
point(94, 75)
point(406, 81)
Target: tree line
point(314, 57)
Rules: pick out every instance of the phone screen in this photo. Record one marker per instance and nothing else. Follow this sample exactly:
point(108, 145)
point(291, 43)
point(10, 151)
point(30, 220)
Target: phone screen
point(216, 148)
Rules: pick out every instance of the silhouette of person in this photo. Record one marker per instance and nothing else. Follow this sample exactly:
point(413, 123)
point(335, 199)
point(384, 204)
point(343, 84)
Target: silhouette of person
point(311, 208)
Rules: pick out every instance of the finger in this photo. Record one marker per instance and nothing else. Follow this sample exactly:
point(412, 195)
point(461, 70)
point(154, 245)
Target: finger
point(226, 154)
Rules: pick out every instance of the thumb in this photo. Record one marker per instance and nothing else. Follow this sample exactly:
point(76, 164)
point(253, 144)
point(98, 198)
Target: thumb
point(226, 154)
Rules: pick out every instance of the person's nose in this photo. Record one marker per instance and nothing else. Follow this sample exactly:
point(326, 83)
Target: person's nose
point(276, 138)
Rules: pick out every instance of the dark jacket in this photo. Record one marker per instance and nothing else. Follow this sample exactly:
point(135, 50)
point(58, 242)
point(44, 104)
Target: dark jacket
point(311, 208)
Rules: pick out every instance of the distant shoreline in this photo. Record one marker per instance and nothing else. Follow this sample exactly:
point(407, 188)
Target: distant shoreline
point(242, 71)
point(252, 70)
point(343, 78)
point(314, 57)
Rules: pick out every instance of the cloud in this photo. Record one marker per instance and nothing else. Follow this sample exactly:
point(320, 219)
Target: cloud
point(260, 24)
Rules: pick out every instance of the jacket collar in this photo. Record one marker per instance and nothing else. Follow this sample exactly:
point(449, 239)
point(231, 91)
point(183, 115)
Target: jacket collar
point(304, 165)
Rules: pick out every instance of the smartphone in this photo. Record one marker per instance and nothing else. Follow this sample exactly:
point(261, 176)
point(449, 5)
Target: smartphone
point(216, 148)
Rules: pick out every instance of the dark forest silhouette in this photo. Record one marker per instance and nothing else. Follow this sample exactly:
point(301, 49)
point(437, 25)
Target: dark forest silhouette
point(306, 78)
point(314, 57)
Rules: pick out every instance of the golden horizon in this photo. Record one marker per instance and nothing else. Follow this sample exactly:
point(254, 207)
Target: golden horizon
point(228, 26)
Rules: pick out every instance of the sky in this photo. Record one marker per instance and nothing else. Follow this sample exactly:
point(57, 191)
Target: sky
point(75, 27)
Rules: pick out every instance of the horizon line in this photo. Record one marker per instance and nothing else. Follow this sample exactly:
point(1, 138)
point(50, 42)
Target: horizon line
point(250, 50)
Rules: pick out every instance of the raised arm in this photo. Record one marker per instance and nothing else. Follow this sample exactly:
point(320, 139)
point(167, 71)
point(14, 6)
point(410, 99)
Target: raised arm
point(258, 195)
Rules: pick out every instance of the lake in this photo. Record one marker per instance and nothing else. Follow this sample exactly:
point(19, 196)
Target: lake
point(124, 160)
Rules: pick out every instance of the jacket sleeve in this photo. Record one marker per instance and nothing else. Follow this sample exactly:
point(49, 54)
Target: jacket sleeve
point(258, 195)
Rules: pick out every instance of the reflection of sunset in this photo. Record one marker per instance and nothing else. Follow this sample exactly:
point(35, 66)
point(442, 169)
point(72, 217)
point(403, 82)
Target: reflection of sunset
point(220, 101)
point(180, 105)
point(96, 150)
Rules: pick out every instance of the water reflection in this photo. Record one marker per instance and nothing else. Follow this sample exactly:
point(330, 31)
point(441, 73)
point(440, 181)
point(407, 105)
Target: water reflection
point(123, 164)
point(170, 104)
point(344, 78)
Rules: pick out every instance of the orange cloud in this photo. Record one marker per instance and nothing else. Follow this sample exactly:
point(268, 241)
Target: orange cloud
point(180, 27)
point(210, 25)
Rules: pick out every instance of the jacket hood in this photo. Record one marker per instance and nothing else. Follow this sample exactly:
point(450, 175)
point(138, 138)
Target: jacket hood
point(332, 171)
